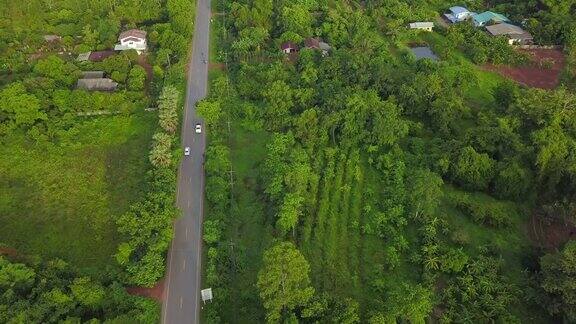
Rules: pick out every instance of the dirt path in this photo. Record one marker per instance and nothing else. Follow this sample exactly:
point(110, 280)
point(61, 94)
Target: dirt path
point(156, 292)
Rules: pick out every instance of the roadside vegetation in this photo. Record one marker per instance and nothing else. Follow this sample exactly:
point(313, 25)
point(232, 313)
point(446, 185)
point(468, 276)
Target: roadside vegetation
point(87, 179)
point(383, 188)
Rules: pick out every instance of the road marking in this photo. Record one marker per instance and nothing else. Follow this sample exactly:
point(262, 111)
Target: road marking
point(181, 301)
point(184, 265)
point(186, 232)
point(188, 203)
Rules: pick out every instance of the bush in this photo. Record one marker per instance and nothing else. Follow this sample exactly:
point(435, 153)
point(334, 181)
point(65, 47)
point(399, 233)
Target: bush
point(486, 211)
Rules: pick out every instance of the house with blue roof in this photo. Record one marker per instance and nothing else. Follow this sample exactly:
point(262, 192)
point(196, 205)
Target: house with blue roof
point(457, 14)
point(488, 17)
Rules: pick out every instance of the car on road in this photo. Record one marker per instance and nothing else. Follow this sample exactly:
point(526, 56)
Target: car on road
point(198, 129)
point(187, 151)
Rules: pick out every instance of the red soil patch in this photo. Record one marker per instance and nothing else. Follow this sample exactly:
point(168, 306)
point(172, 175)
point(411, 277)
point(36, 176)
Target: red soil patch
point(156, 292)
point(550, 234)
point(10, 252)
point(533, 74)
point(217, 66)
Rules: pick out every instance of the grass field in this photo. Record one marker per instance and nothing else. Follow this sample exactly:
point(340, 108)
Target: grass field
point(62, 200)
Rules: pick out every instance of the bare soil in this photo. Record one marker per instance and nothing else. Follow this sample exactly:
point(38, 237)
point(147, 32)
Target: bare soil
point(550, 234)
point(156, 292)
point(535, 75)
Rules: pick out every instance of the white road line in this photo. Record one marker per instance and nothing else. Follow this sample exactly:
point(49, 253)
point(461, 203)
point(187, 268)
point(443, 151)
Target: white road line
point(184, 265)
point(168, 283)
point(186, 232)
point(181, 301)
point(188, 203)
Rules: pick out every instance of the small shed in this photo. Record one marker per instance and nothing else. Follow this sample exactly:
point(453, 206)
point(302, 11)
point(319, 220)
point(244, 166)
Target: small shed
point(424, 52)
point(515, 34)
point(92, 74)
point(423, 25)
point(289, 47)
point(486, 17)
point(83, 57)
point(97, 84)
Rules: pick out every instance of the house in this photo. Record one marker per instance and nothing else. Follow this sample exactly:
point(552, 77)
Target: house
point(317, 44)
point(427, 26)
point(96, 56)
point(424, 52)
point(52, 38)
point(132, 39)
point(92, 74)
point(515, 34)
point(457, 14)
point(289, 47)
point(97, 84)
point(488, 17)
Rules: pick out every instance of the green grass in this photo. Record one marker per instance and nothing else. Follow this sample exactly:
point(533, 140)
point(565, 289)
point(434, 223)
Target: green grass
point(249, 229)
point(62, 201)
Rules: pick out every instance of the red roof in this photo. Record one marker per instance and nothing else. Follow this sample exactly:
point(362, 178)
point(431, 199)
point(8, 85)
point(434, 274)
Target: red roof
point(138, 33)
point(100, 55)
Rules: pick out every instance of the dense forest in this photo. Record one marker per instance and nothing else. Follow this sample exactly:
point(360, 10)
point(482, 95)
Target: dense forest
point(362, 185)
point(87, 178)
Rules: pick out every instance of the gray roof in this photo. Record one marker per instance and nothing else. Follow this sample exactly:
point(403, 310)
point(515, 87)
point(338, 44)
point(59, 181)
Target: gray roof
point(92, 74)
point(458, 10)
point(52, 38)
point(509, 30)
point(424, 52)
point(100, 84)
point(83, 56)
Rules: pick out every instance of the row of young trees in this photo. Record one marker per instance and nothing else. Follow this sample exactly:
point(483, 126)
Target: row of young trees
point(147, 227)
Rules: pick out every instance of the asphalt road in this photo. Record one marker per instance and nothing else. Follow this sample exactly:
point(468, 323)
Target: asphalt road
point(183, 283)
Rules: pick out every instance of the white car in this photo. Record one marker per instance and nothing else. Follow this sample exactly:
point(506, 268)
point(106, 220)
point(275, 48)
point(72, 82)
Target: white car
point(198, 129)
point(187, 151)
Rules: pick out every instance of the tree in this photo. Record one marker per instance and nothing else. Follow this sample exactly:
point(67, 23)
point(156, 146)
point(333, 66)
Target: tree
point(56, 68)
point(425, 192)
point(87, 292)
point(558, 277)
point(161, 155)
point(290, 212)
point(279, 101)
point(283, 281)
point(409, 302)
point(18, 106)
point(473, 170)
point(15, 275)
point(210, 111)
point(137, 78)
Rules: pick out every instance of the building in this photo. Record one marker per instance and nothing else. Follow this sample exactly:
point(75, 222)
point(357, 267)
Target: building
point(289, 47)
point(515, 34)
point(427, 26)
point(488, 17)
point(424, 53)
point(97, 84)
point(92, 74)
point(132, 39)
point(457, 14)
point(317, 44)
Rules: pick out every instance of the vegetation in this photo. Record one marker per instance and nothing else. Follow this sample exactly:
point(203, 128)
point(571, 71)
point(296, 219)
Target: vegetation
point(404, 186)
point(87, 180)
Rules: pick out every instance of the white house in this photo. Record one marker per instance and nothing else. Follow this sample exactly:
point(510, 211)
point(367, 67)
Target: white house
point(132, 39)
point(457, 14)
point(427, 26)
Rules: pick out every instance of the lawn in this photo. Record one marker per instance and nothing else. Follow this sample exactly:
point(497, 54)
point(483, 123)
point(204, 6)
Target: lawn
point(62, 200)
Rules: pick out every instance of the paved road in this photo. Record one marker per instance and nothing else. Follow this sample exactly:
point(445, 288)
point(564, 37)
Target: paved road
point(183, 284)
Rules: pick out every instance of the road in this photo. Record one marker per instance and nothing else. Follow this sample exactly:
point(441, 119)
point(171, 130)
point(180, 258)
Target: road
point(182, 291)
